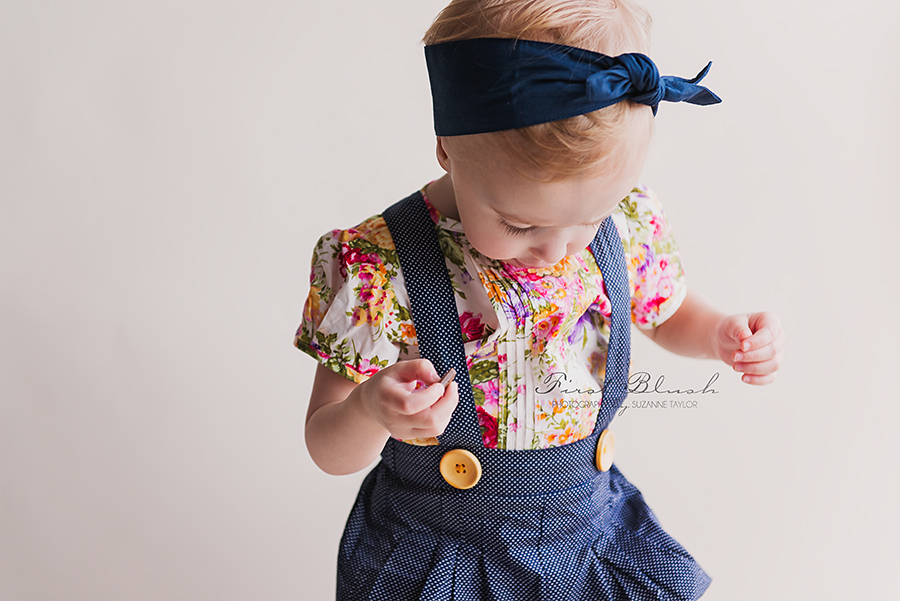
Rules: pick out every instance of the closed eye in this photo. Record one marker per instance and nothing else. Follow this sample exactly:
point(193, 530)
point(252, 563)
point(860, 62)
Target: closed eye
point(518, 231)
point(515, 231)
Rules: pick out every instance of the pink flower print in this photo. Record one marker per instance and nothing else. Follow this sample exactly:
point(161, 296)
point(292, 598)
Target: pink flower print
point(651, 305)
point(520, 273)
point(491, 396)
point(353, 256)
point(367, 295)
point(471, 325)
point(488, 426)
point(366, 368)
point(657, 227)
point(349, 255)
point(602, 304)
point(431, 210)
point(665, 287)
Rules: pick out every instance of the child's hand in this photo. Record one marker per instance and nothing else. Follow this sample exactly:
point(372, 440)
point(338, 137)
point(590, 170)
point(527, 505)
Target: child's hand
point(391, 399)
point(752, 343)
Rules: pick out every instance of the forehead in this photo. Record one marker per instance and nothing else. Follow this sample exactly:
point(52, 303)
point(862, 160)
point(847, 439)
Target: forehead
point(520, 194)
point(561, 203)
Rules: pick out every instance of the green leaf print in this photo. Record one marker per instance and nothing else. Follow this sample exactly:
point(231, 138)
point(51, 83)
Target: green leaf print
point(372, 361)
point(452, 251)
point(484, 371)
point(387, 255)
point(335, 252)
point(339, 355)
point(456, 287)
point(402, 312)
point(450, 248)
point(336, 355)
point(629, 207)
point(320, 280)
point(479, 396)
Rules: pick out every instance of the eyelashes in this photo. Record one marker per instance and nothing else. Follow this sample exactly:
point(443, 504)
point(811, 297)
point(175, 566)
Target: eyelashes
point(518, 231)
point(515, 231)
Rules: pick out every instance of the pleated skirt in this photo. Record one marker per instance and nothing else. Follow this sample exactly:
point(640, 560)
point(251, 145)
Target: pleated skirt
point(408, 537)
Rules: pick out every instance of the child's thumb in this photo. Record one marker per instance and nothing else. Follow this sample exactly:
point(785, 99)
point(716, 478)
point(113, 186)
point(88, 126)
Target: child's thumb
point(741, 329)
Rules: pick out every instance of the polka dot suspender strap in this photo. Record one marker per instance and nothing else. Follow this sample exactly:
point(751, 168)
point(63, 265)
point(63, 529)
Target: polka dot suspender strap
point(433, 307)
point(436, 317)
point(610, 256)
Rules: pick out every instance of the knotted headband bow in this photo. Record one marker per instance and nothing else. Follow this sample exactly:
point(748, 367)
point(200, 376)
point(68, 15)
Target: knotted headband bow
point(491, 84)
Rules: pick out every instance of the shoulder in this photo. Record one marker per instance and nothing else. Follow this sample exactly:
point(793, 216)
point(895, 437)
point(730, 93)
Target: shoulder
point(641, 208)
point(644, 220)
point(371, 238)
point(373, 231)
point(354, 319)
point(342, 254)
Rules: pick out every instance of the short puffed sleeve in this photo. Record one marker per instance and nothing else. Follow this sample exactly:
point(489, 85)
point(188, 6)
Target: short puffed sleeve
point(352, 320)
point(658, 285)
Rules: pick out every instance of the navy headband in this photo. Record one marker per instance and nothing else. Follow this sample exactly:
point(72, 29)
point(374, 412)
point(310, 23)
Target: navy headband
point(491, 84)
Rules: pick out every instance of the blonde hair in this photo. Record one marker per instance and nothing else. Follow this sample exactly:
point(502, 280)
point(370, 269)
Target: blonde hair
point(602, 139)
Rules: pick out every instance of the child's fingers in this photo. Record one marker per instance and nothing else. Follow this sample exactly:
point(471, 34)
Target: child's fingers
point(744, 333)
point(757, 354)
point(412, 374)
point(424, 370)
point(409, 371)
point(760, 339)
point(758, 379)
point(757, 368)
point(421, 399)
point(735, 328)
point(434, 419)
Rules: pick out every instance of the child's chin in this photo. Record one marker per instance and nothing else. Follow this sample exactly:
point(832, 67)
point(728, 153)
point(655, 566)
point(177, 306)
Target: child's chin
point(517, 263)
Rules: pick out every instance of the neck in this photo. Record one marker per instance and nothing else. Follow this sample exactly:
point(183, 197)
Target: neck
point(440, 194)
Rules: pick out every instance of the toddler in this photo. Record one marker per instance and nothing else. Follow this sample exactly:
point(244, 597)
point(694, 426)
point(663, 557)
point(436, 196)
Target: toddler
point(521, 270)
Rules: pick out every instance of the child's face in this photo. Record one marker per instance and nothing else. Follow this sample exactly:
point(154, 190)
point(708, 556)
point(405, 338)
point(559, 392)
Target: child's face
point(560, 218)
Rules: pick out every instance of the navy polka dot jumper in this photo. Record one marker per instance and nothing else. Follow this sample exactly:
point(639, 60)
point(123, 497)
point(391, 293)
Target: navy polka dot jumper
point(539, 525)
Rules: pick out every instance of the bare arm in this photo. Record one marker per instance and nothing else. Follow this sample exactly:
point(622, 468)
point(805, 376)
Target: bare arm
point(691, 330)
point(340, 438)
point(347, 423)
point(752, 343)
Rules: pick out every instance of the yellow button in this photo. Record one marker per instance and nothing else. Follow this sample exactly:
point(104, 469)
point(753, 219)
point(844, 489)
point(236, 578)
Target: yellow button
point(460, 468)
point(606, 448)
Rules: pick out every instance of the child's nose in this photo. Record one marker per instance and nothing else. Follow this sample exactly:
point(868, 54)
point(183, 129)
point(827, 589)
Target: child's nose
point(550, 252)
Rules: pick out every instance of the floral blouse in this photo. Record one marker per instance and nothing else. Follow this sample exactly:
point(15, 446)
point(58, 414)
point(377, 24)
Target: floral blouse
point(535, 339)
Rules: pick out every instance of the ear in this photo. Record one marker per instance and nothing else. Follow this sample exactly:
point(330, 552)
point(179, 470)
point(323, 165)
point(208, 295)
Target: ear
point(442, 156)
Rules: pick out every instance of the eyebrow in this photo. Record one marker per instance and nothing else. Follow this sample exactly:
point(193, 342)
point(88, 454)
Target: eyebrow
point(516, 219)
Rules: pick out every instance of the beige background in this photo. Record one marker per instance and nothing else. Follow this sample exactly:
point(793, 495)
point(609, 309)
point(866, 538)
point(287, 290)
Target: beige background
point(166, 167)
